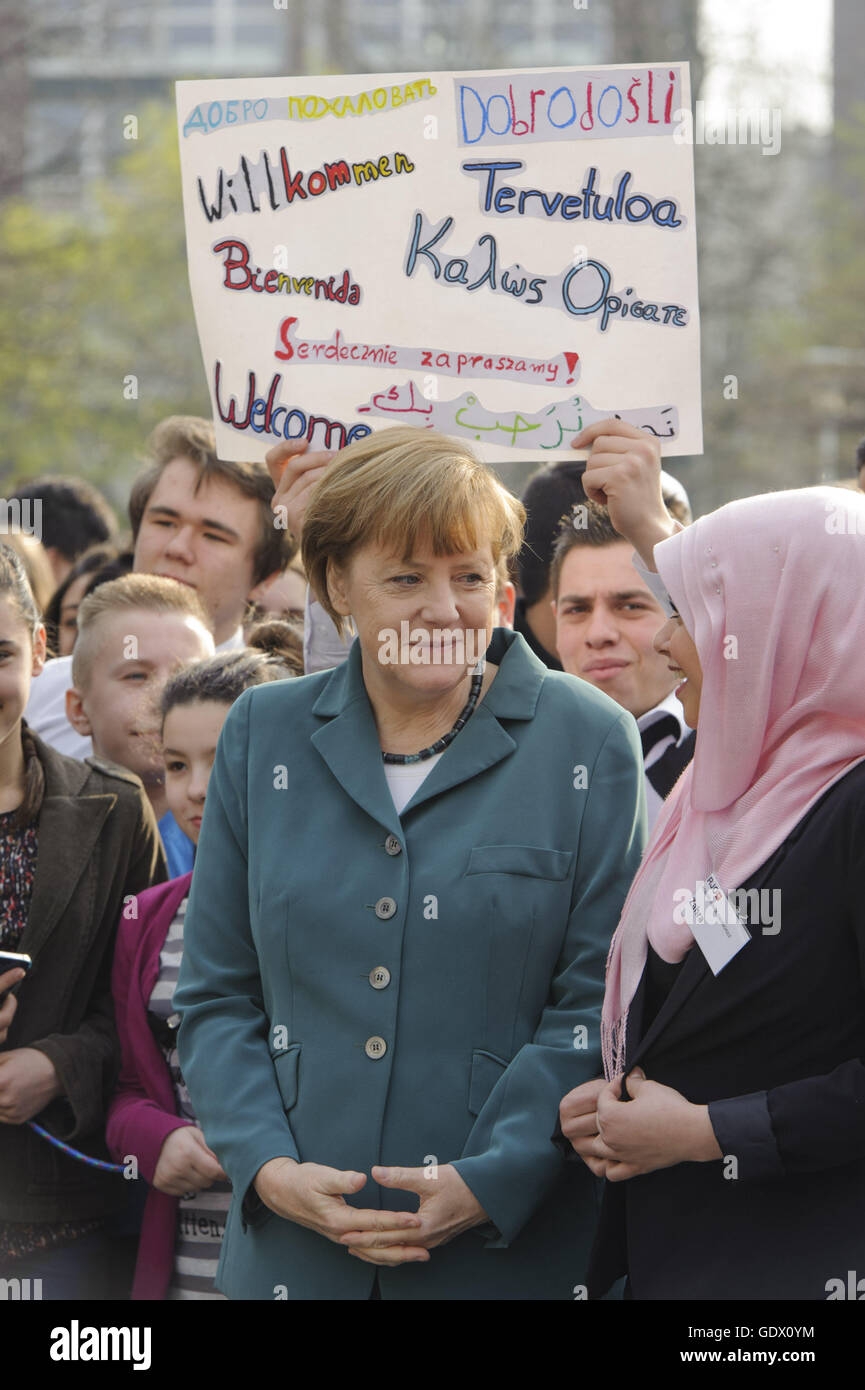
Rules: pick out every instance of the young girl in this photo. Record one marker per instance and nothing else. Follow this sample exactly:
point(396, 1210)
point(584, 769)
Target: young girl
point(77, 841)
point(151, 1115)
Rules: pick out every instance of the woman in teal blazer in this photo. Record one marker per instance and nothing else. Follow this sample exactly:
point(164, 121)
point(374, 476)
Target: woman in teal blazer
point(369, 980)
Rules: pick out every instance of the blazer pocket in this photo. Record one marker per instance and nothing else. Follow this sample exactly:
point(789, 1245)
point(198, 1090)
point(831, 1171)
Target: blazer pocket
point(486, 1070)
point(285, 1064)
point(528, 860)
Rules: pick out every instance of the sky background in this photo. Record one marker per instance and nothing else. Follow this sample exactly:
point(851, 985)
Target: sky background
point(792, 42)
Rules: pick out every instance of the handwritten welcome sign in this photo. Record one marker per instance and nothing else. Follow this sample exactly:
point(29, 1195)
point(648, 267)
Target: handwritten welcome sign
point(503, 256)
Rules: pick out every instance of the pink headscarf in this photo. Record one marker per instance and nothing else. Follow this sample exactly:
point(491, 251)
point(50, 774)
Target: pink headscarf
point(782, 710)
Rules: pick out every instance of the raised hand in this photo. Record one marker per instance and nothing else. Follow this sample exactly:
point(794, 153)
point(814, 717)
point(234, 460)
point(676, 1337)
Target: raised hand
point(623, 473)
point(295, 470)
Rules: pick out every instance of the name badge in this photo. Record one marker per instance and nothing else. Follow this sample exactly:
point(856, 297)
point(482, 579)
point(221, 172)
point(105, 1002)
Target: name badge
point(718, 929)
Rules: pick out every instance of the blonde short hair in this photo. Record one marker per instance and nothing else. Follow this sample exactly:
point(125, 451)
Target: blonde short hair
point(151, 592)
point(401, 487)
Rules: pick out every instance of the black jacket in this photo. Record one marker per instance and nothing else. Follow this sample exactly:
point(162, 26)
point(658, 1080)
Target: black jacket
point(666, 770)
point(521, 624)
point(98, 846)
point(775, 1045)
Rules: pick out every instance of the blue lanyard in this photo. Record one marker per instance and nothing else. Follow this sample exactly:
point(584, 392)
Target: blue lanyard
point(76, 1153)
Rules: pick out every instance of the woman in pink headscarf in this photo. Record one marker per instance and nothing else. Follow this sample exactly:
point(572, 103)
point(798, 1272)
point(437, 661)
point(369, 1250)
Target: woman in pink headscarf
point(730, 1125)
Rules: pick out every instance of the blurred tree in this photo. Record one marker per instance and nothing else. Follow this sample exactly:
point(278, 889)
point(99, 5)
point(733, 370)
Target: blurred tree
point(782, 264)
point(758, 228)
point(664, 32)
point(93, 299)
point(14, 84)
point(835, 305)
point(98, 338)
point(834, 300)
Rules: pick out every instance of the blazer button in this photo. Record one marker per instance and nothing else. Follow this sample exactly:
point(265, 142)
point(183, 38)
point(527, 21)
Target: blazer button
point(380, 977)
point(375, 1048)
point(385, 908)
point(392, 845)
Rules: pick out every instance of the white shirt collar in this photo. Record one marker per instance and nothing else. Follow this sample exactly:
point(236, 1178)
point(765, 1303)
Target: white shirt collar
point(232, 643)
point(669, 705)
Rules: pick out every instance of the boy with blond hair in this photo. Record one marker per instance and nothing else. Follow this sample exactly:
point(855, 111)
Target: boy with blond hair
point(132, 634)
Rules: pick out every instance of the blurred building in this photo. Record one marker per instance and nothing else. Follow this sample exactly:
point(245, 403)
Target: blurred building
point(459, 34)
point(848, 52)
point(72, 70)
point(87, 64)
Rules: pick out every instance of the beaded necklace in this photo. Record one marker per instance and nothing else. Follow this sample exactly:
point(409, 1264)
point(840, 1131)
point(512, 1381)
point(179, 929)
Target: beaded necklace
point(446, 739)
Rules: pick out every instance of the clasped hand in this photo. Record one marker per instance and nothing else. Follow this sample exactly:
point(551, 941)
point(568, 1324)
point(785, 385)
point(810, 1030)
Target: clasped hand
point(28, 1082)
point(314, 1196)
point(620, 1139)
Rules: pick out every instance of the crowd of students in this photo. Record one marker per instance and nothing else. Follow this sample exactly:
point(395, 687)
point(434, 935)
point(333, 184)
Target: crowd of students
point(185, 1055)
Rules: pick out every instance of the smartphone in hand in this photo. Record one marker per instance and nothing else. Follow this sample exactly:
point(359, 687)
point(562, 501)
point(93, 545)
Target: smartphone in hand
point(11, 960)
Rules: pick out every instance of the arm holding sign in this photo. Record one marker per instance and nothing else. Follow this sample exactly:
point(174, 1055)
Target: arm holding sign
point(623, 473)
point(634, 1125)
point(295, 470)
point(323, 648)
point(651, 1126)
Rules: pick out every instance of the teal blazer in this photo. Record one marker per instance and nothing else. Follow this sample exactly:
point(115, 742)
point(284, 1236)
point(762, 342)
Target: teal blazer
point(489, 904)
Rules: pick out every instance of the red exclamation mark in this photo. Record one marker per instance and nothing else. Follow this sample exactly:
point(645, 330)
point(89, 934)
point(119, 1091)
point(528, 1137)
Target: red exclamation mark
point(572, 358)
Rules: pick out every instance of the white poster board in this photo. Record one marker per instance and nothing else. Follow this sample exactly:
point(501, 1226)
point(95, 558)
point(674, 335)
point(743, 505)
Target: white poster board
point(502, 256)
